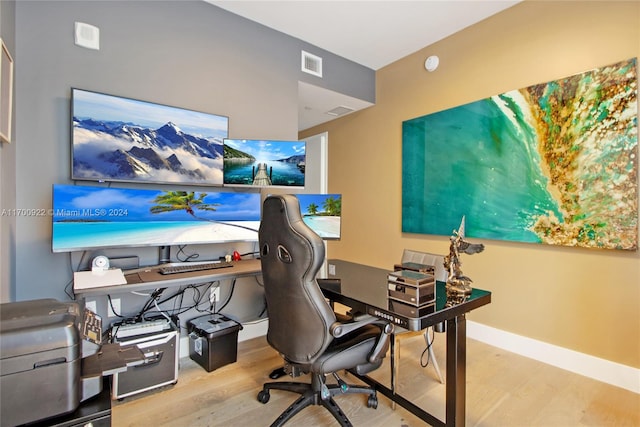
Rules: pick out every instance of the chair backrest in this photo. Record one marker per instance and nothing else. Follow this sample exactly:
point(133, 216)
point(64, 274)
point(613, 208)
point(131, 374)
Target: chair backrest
point(437, 261)
point(291, 255)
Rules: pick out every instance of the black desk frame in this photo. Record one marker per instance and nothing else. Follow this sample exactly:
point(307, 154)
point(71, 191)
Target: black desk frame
point(456, 347)
point(454, 317)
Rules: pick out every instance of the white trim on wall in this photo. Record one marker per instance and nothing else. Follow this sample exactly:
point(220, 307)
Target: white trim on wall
point(596, 368)
point(593, 367)
point(317, 160)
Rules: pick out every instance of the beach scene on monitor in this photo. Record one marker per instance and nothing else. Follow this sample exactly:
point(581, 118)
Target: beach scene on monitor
point(264, 163)
point(322, 213)
point(121, 139)
point(86, 217)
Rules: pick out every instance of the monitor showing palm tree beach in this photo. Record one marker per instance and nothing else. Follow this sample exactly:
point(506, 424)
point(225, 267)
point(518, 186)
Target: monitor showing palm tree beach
point(88, 217)
point(323, 213)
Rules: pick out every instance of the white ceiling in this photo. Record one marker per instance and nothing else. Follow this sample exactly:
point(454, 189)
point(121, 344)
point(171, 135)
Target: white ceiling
point(373, 33)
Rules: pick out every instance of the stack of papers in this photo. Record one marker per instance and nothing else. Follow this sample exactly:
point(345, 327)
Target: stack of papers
point(98, 279)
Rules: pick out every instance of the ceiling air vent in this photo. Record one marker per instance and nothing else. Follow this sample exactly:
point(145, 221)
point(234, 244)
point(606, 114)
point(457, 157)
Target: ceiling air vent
point(338, 111)
point(311, 64)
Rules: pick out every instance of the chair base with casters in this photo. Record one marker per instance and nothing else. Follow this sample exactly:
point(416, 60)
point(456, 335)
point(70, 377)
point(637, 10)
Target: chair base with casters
point(318, 392)
point(277, 373)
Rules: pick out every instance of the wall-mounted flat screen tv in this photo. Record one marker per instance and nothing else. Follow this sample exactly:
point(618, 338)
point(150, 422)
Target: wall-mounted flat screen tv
point(122, 139)
point(322, 213)
point(260, 163)
point(91, 217)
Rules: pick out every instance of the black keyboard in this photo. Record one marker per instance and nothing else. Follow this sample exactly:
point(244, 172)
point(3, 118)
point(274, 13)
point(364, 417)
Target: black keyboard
point(187, 268)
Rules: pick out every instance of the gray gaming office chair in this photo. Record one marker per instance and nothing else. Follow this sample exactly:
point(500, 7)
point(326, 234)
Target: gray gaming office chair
point(302, 326)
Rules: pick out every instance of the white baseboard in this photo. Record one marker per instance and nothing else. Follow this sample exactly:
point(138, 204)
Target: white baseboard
point(253, 330)
point(248, 331)
point(583, 364)
point(593, 367)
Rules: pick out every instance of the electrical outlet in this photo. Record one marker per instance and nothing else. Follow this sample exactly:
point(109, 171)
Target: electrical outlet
point(332, 270)
point(115, 302)
point(214, 295)
point(91, 306)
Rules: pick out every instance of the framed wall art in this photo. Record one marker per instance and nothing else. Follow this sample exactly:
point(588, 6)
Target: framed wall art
point(6, 93)
point(553, 163)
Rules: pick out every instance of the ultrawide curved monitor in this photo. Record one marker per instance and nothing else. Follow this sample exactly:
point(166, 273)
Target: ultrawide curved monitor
point(88, 217)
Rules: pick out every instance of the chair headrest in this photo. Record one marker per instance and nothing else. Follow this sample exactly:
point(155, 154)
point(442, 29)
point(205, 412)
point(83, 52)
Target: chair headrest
point(291, 255)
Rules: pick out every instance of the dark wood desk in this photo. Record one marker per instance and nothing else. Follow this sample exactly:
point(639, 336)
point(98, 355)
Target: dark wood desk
point(365, 289)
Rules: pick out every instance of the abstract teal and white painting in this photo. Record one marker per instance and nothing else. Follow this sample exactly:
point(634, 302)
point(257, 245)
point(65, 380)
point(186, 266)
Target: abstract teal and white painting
point(553, 163)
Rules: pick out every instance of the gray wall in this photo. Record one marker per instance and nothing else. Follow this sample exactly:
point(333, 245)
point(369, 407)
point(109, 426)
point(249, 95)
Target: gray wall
point(188, 54)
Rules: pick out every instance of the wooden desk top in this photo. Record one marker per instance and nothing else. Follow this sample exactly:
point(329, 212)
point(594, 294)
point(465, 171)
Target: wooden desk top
point(150, 277)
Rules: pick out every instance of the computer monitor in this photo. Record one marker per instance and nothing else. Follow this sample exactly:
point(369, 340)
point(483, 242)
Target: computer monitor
point(121, 139)
point(322, 213)
point(264, 163)
point(91, 217)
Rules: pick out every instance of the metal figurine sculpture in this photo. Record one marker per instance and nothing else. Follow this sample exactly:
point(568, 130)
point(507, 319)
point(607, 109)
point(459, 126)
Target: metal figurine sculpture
point(457, 283)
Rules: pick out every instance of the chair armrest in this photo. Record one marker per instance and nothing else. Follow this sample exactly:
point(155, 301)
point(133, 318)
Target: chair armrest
point(340, 329)
point(383, 342)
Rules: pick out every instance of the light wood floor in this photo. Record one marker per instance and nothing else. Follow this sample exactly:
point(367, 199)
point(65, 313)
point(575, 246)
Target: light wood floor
point(503, 389)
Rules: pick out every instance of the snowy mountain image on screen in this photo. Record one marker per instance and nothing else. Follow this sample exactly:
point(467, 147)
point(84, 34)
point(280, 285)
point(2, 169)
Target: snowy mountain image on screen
point(119, 151)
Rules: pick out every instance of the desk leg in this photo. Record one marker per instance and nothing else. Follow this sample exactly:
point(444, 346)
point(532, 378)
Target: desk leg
point(394, 371)
point(456, 371)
